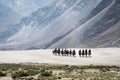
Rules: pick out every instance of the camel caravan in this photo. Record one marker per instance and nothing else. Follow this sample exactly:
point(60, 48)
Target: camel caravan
point(65, 52)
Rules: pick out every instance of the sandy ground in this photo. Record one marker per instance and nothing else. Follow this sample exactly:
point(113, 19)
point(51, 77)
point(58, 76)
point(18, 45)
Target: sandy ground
point(5, 78)
point(100, 56)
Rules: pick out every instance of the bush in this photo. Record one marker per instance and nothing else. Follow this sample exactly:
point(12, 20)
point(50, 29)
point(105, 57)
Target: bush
point(33, 72)
point(46, 73)
point(2, 74)
point(42, 70)
point(59, 78)
point(20, 74)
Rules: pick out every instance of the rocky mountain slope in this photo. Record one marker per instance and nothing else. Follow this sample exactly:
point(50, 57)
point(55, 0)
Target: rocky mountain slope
point(69, 23)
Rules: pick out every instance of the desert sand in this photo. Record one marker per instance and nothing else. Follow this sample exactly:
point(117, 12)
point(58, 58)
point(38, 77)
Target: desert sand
point(100, 56)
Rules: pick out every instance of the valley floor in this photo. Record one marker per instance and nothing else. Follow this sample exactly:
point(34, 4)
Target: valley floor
point(100, 56)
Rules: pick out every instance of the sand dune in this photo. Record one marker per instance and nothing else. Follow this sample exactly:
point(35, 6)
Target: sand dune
point(100, 56)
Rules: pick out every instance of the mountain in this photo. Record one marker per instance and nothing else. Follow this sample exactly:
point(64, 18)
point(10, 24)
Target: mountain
point(100, 28)
point(34, 24)
point(96, 23)
point(23, 7)
point(8, 16)
point(69, 23)
point(110, 38)
point(11, 13)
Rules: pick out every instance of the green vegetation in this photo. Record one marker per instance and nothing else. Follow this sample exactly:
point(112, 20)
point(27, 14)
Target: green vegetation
point(2, 74)
point(59, 72)
point(20, 74)
point(46, 73)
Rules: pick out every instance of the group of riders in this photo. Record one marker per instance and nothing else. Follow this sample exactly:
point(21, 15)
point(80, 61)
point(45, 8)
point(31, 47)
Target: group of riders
point(66, 52)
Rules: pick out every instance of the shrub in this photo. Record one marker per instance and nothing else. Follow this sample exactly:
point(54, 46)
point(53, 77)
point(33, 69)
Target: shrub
point(46, 73)
point(2, 74)
point(59, 78)
point(20, 74)
point(33, 72)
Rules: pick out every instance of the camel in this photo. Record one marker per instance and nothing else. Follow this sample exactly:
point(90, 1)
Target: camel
point(74, 53)
point(86, 53)
point(89, 53)
point(80, 53)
